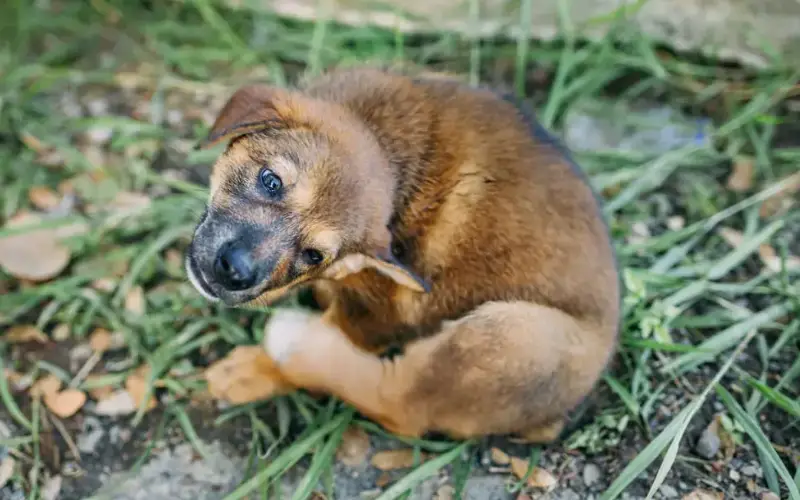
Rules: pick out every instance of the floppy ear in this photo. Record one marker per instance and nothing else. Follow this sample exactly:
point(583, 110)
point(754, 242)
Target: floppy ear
point(249, 109)
point(386, 265)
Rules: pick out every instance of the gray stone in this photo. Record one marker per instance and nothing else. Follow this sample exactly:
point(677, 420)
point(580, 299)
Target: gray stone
point(708, 444)
point(752, 471)
point(745, 31)
point(178, 474)
point(591, 474)
point(489, 487)
point(668, 491)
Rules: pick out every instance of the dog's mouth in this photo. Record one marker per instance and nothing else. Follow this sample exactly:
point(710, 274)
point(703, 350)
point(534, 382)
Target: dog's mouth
point(198, 280)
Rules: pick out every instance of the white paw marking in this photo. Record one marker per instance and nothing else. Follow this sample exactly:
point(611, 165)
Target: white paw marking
point(286, 330)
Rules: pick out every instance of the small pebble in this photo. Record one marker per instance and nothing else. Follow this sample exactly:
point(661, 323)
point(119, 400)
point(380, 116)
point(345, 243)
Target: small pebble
point(97, 107)
point(668, 491)
point(569, 495)
point(99, 135)
point(734, 475)
point(591, 474)
point(769, 496)
point(751, 470)
point(709, 443)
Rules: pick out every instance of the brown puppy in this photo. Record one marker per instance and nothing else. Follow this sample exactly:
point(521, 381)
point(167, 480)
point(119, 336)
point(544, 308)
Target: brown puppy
point(423, 213)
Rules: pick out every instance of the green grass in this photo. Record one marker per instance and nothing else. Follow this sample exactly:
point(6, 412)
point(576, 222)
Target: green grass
point(693, 303)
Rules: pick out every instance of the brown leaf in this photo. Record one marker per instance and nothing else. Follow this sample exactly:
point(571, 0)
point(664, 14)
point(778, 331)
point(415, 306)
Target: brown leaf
point(16, 380)
point(135, 301)
point(783, 198)
point(539, 478)
point(49, 384)
point(65, 403)
point(36, 255)
point(18, 334)
point(354, 447)
point(100, 340)
point(44, 198)
point(741, 177)
point(773, 262)
point(700, 494)
point(245, 375)
point(383, 479)
point(732, 236)
point(174, 258)
point(394, 459)
point(500, 457)
point(136, 385)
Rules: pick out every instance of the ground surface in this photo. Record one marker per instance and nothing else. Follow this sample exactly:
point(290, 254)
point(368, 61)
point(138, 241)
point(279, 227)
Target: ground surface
point(100, 105)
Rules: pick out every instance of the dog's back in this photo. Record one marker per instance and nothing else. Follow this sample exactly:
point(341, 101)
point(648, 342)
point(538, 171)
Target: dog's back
point(491, 206)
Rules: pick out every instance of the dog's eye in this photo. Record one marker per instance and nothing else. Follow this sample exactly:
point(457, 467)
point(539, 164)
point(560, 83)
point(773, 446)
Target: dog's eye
point(312, 257)
point(271, 182)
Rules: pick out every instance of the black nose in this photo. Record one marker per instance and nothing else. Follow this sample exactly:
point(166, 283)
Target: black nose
point(234, 268)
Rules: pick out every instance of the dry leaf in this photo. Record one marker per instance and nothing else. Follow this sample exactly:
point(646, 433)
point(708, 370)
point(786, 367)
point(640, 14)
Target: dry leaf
point(783, 198)
point(125, 204)
point(136, 385)
point(117, 404)
point(732, 236)
point(35, 255)
point(773, 262)
point(24, 333)
point(499, 456)
point(104, 285)
point(44, 198)
point(174, 258)
point(539, 478)
point(135, 302)
point(65, 403)
point(354, 447)
point(61, 332)
point(16, 380)
point(394, 459)
point(50, 384)
point(704, 495)
point(33, 142)
point(100, 340)
point(6, 469)
point(383, 480)
point(245, 375)
point(741, 177)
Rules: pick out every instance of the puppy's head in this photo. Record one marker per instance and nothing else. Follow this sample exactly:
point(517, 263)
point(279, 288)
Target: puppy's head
point(302, 192)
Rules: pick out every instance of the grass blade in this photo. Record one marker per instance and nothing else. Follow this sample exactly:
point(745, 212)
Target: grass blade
point(761, 441)
point(422, 472)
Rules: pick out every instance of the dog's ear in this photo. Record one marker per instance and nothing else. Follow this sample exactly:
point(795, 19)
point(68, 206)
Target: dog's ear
point(250, 109)
point(386, 265)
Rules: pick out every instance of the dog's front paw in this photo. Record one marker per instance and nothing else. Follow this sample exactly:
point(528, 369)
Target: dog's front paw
point(287, 331)
point(245, 375)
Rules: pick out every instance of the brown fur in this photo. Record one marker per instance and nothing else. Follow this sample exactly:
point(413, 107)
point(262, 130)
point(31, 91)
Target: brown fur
point(450, 187)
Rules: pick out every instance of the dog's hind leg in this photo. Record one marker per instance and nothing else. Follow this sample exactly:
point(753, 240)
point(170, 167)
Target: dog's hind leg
point(506, 368)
